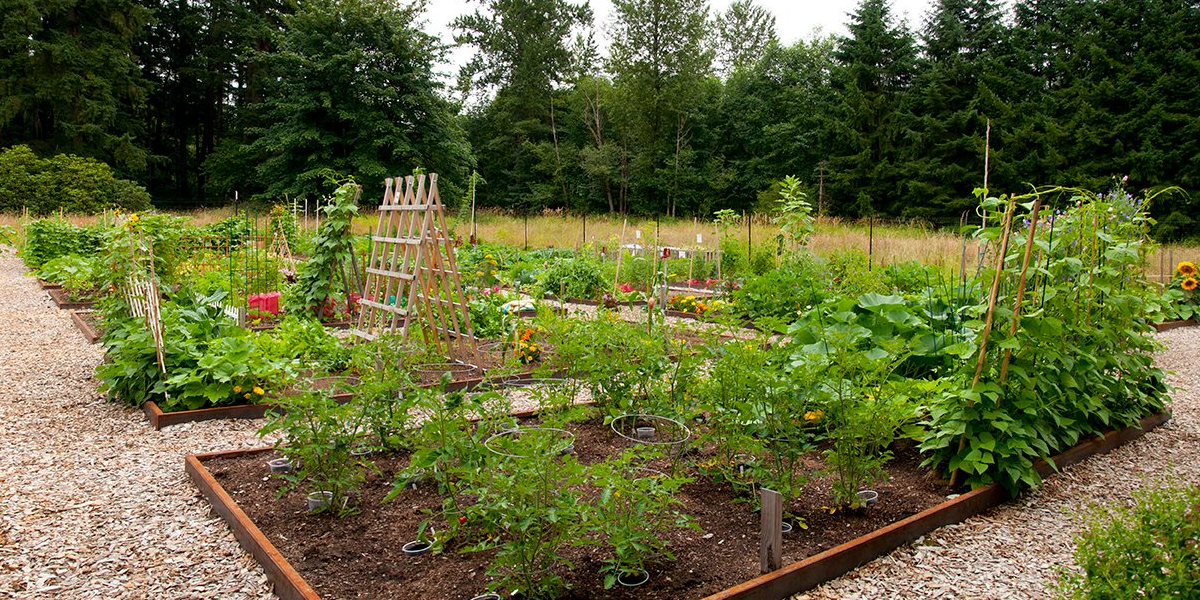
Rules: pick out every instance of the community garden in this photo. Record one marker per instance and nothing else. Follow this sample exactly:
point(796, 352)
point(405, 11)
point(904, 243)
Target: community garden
point(626, 418)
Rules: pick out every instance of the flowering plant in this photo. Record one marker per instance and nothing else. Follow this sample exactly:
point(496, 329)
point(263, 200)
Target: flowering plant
point(694, 305)
point(1181, 298)
point(525, 348)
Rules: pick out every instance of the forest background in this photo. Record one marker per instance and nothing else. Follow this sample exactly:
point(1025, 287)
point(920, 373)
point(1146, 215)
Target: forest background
point(689, 111)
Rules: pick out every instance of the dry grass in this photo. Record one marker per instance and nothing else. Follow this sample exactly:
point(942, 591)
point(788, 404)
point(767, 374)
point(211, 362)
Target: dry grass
point(887, 244)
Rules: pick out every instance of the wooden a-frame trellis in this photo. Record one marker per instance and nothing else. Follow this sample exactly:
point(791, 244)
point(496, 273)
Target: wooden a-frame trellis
point(412, 278)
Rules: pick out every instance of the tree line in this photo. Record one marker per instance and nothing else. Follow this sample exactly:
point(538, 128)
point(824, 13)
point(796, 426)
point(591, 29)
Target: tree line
point(688, 110)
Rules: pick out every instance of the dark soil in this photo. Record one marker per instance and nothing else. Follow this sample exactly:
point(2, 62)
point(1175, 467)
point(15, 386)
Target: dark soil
point(360, 556)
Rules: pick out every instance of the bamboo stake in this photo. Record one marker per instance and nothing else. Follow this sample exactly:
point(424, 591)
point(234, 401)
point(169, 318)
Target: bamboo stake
point(991, 313)
point(620, 254)
point(1012, 330)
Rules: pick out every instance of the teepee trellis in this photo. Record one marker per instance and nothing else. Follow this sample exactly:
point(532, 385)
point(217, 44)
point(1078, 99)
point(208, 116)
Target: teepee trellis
point(412, 278)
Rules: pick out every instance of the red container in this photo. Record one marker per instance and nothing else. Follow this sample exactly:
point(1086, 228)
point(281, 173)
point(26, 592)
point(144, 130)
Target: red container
point(262, 304)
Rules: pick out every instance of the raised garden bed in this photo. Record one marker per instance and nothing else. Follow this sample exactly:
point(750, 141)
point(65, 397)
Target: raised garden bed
point(88, 322)
point(360, 557)
point(63, 301)
point(159, 419)
point(49, 285)
point(1168, 325)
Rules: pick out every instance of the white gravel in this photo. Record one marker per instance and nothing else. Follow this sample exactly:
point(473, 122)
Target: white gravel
point(96, 504)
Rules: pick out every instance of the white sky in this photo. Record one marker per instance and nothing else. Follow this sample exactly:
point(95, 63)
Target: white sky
point(794, 19)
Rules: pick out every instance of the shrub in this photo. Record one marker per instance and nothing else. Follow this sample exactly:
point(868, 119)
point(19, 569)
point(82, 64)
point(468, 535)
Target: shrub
point(1148, 550)
point(63, 182)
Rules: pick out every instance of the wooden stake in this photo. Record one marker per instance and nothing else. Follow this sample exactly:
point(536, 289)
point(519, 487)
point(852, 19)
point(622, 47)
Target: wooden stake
point(620, 254)
point(1012, 330)
point(770, 548)
point(991, 313)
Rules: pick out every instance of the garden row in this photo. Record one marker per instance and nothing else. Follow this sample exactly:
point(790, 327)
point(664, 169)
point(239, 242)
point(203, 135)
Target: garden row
point(854, 383)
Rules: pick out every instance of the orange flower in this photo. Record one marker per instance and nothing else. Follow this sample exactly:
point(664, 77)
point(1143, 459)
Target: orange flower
point(1187, 269)
point(1189, 284)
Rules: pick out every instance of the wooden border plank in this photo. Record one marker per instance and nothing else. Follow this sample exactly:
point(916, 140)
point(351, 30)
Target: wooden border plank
point(59, 296)
point(288, 584)
point(92, 335)
point(835, 562)
point(1169, 325)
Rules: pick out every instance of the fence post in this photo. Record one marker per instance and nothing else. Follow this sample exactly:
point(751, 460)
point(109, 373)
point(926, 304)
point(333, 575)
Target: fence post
point(870, 241)
point(749, 237)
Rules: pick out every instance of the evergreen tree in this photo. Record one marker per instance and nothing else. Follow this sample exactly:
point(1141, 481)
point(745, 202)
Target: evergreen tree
point(877, 63)
point(962, 79)
point(355, 95)
point(70, 78)
point(203, 59)
point(775, 118)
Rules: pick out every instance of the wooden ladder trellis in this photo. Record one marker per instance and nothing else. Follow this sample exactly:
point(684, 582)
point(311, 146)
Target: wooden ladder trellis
point(280, 248)
point(412, 277)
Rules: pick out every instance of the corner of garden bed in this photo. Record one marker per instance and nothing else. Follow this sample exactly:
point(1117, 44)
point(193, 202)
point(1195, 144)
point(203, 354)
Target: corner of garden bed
point(791, 579)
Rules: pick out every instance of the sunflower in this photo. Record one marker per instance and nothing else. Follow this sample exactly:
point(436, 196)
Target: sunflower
point(1187, 269)
point(1189, 284)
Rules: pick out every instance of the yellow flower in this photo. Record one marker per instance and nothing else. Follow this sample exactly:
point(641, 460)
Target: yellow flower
point(1189, 284)
point(259, 391)
point(488, 256)
point(479, 273)
point(237, 389)
point(813, 415)
point(1187, 269)
point(134, 219)
point(247, 396)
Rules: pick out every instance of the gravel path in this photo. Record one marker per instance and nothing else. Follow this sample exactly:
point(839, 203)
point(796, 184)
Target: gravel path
point(96, 504)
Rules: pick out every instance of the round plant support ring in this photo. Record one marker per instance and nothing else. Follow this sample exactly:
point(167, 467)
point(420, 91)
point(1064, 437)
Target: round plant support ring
point(868, 497)
point(565, 446)
point(280, 465)
point(633, 579)
point(416, 547)
point(651, 429)
point(487, 596)
point(319, 500)
point(453, 368)
point(335, 384)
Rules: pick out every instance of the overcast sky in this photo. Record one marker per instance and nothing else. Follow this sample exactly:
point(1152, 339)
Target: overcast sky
point(794, 19)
